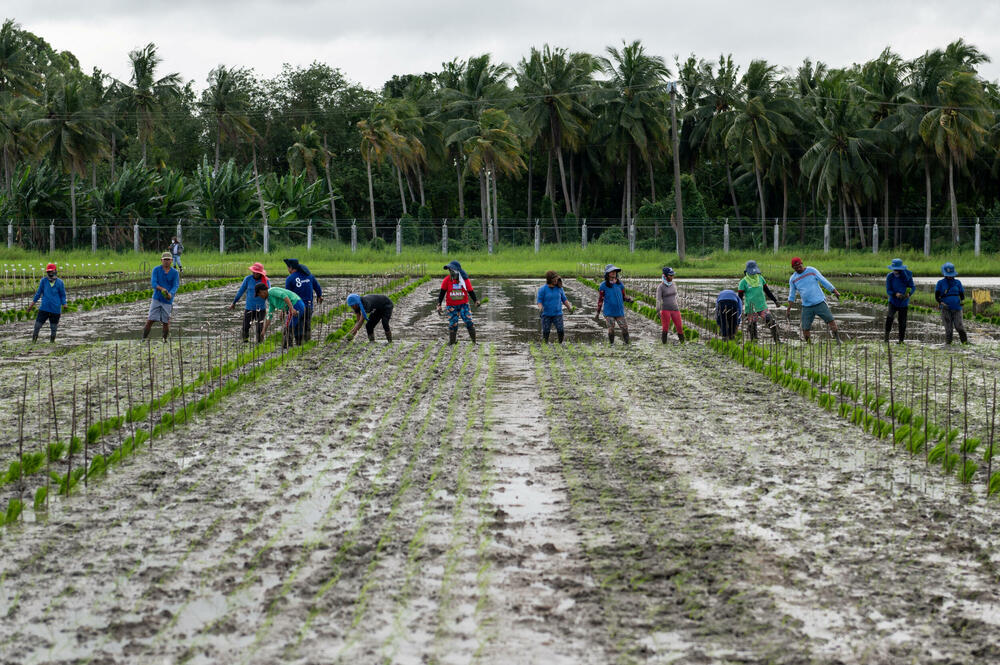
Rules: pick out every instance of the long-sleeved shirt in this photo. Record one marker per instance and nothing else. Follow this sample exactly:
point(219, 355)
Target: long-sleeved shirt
point(247, 287)
point(170, 280)
point(52, 295)
point(950, 293)
point(303, 286)
point(754, 291)
point(899, 284)
point(276, 300)
point(666, 297)
point(808, 283)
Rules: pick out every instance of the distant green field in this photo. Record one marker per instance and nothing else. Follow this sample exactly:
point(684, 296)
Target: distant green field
point(505, 262)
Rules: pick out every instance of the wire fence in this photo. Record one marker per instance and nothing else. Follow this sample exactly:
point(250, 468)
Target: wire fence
point(701, 236)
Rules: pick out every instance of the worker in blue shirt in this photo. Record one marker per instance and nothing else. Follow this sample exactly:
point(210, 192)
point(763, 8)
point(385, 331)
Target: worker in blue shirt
point(303, 283)
point(165, 281)
point(550, 301)
point(256, 307)
point(52, 292)
point(611, 299)
point(899, 287)
point(949, 294)
point(809, 282)
point(728, 313)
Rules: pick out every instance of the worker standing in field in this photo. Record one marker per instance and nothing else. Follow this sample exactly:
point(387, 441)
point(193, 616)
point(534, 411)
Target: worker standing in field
point(165, 281)
point(371, 310)
point(550, 300)
point(52, 292)
point(949, 294)
point(281, 300)
point(456, 292)
point(666, 305)
point(256, 307)
point(754, 291)
point(611, 299)
point(899, 286)
point(728, 313)
point(809, 282)
point(176, 249)
point(303, 283)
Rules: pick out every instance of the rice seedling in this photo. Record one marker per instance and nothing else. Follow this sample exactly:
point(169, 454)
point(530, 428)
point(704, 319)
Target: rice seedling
point(13, 514)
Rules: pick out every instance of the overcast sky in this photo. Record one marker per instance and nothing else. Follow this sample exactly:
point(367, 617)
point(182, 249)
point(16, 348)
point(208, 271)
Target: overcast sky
point(370, 40)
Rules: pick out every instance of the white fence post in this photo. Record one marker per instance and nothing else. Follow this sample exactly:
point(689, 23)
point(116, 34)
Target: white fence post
point(927, 239)
point(538, 237)
point(10, 235)
point(135, 237)
point(222, 238)
point(978, 238)
point(399, 237)
point(583, 234)
point(631, 235)
point(354, 235)
point(309, 235)
point(826, 236)
point(875, 237)
point(267, 238)
point(725, 236)
point(444, 237)
point(52, 235)
point(93, 237)
point(776, 236)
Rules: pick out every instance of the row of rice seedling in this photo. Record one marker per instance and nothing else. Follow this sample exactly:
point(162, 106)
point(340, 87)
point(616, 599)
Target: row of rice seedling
point(411, 378)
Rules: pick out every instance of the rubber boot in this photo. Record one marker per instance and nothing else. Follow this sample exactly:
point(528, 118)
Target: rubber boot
point(680, 337)
point(388, 336)
point(452, 336)
point(625, 336)
point(560, 334)
point(166, 331)
point(371, 336)
point(545, 338)
point(52, 337)
point(663, 337)
point(611, 337)
point(962, 337)
point(774, 335)
point(472, 333)
point(145, 331)
point(34, 334)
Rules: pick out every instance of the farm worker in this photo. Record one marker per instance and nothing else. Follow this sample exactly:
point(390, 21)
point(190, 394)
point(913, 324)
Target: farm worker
point(899, 287)
point(666, 305)
point(303, 283)
point(949, 294)
point(52, 292)
point(550, 300)
point(176, 249)
point(753, 289)
point(456, 290)
point(370, 310)
point(808, 281)
point(164, 280)
point(281, 300)
point(728, 313)
point(611, 299)
point(255, 307)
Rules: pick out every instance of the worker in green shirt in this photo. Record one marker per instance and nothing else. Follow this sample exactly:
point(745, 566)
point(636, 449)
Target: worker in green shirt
point(754, 292)
point(282, 300)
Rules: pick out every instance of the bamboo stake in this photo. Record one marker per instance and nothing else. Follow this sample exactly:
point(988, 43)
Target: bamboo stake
point(180, 367)
point(55, 427)
point(86, 436)
point(118, 399)
point(20, 435)
point(173, 386)
point(149, 357)
point(992, 429)
point(892, 400)
point(965, 419)
point(72, 436)
point(131, 406)
point(947, 432)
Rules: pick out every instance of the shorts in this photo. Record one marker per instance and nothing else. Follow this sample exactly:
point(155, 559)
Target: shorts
point(822, 310)
point(159, 311)
point(459, 311)
point(612, 320)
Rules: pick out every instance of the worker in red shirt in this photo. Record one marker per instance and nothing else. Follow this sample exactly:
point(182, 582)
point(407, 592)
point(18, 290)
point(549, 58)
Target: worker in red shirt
point(456, 290)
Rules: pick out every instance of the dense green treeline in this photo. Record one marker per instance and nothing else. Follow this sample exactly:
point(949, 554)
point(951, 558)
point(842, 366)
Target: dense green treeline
point(560, 136)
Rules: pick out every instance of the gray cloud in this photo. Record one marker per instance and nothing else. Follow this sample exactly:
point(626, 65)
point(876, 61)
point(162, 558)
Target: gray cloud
point(370, 41)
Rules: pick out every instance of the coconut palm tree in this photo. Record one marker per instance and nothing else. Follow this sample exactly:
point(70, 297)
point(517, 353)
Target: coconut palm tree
point(494, 149)
point(377, 141)
point(69, 132)
point(17, 73)
point(303, 155)
point(144, 95)
point(956, 129)
point(224, 101)
point(16, 140)
point(634, 112)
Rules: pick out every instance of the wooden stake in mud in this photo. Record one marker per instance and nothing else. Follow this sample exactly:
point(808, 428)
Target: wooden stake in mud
point(173, 385)
point(892, 399)
point(992, 429)
point(965, 418)
point(180, 368)
point(947, 431)
point(128, 388)
point(86, 436)
point(118, 401)
point(72, 436)
point(55, 427)
point(20, 435)
point(149, 357)
point(221, 361)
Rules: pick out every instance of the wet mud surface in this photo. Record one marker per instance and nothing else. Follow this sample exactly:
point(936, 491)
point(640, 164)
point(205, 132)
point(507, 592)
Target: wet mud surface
point(509, 502)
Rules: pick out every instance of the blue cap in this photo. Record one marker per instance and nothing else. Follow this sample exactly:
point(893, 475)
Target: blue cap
point(948, 270)
point(897, 264)
point(611, 267)
point(752, 268)
point(667, 270)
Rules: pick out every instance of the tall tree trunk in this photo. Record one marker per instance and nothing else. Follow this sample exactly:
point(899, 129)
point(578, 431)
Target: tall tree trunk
point(420, 185)
point(628, 189)
point(763, 211)
point(218, 143)
point(732, 195)
point(496, 210)
point(861, 226)
point(843, 218)
point(329, 188)
point(371, 192)
point(550, 192)
point(72, 200)
point(144, 153)
point(953, 200)
point(409, 186)
point(927, 181)
point(461, 190)
point(399, 179)
point(562, 170)
point(652, 181)
point(93, 174)
point(256, 183)
point(678, 197)
point(624, 201)
point(483, 205)
point(531, 163)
